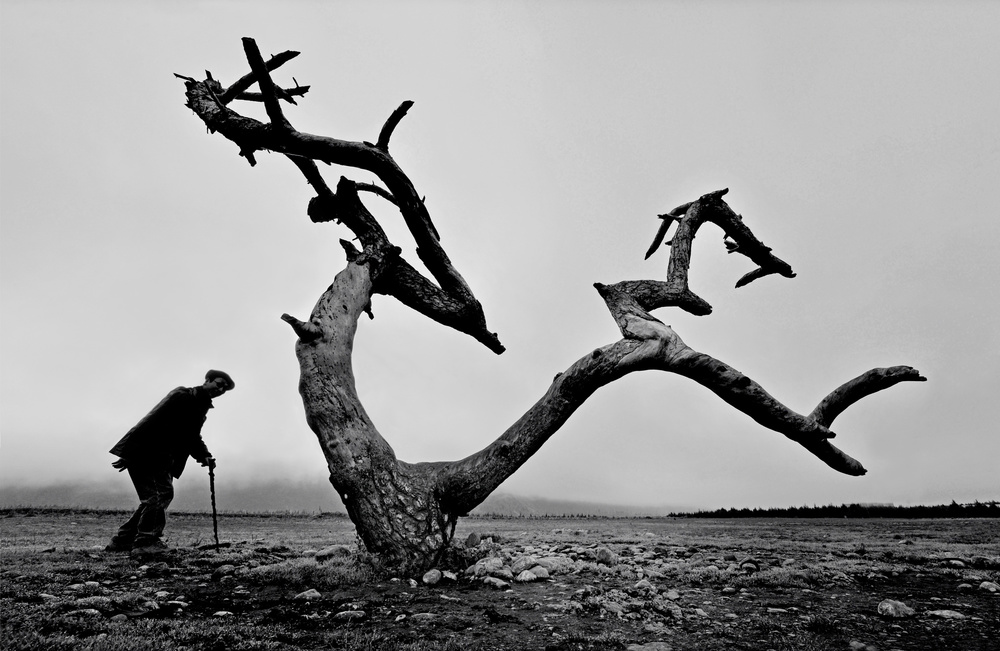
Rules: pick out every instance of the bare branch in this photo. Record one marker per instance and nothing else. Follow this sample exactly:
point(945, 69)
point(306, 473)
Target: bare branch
point(390, 125)
point(689, 217)
point(303, 148)
point(306, 331)
point(865, 384)
point(287, 94)
point(267, 88)
point(248, 80)
point(379, 190)
point(648, 344)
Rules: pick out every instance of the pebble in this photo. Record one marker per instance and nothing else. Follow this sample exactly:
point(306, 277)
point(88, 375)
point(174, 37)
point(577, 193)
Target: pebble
point(223, 570)
point(494, 582)
point(432, 577)
point(332, 551)
point(946, 614)
point(222, 613)
point(606, 557)
point(350, 615)
point(308, 595)
point(97, 602)
point(650, 646)
point(895, 609)
point(989, 586)
point(85, 612)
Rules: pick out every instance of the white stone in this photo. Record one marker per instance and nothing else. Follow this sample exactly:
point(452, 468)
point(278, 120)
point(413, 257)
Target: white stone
point(896, 609)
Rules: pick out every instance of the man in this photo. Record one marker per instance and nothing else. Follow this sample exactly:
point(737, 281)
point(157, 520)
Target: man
point(155, 451)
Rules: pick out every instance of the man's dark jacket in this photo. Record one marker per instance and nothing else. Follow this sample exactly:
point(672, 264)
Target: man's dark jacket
point(170, 433)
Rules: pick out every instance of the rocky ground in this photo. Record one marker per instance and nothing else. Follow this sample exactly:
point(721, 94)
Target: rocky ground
point(538, 584)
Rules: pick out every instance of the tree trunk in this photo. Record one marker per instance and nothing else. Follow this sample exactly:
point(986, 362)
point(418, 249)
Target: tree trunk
point(405, 513)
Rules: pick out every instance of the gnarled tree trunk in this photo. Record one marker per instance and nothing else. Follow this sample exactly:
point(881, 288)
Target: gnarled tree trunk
point(406, 513)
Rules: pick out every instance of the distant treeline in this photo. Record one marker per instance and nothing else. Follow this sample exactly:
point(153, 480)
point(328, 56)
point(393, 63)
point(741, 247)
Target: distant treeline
point(954, 510)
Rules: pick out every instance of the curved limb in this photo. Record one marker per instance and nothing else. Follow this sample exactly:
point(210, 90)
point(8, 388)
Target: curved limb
point(649, 344)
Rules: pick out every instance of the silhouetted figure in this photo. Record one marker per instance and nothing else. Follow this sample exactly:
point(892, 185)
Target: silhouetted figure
point(156, 450)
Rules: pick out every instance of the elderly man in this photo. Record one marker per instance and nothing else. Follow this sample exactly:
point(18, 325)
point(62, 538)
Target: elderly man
point(155, 451)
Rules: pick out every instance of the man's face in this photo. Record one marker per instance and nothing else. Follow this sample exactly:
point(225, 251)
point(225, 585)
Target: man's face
point(215, 387)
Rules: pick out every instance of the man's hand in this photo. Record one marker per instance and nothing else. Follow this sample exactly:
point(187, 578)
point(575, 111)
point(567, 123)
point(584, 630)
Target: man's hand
point(210, 462)
point(119, 464)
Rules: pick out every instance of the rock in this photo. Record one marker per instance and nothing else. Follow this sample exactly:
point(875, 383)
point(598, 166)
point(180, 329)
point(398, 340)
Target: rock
point(432, 577)
point(494, 582)
point(989, 586)
point(423, 617)
point(523, 563)
point(644, 585)
point(606, 557)
point(350, 616)
point(957, 564)
point(162, 594)
point(119, 618)
point(223, 570)
point(473, 540)
point(750, 566)
point(88, 613)
point(309, 553)
point(222, 613)
point(894, 609)
point(332, 551)
point(52, 597)
point(730, 558)
point(650, 646)
point(946, 614)
point(964, 586)
point(672, 595)
point(666, 607)
point(157, 569)
point(699, 612)
point(729, 590)
point(776, 611)
point(613, 607)
point(103, 604)
point(308, 595)
point(526, 576)
point(556, 564)
point(540, 572)
point(413, 583)
point(448, 575)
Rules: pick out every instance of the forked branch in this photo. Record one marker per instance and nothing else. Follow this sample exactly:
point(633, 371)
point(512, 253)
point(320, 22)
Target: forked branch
point(689, 217)
point(450, 300)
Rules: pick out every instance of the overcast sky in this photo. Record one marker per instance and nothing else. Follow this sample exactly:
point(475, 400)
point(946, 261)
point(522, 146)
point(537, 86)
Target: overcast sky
point(861, 141)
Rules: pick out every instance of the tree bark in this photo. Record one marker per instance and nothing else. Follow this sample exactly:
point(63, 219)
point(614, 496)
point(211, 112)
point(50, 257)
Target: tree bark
point(406, 513)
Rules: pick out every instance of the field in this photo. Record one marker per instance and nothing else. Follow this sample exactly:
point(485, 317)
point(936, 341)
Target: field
point(636, 584)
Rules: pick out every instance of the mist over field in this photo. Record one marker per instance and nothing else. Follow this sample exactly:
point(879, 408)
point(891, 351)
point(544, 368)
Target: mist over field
point(303, 497)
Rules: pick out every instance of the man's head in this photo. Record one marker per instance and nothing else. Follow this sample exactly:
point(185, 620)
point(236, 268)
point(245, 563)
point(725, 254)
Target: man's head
point(217, 383)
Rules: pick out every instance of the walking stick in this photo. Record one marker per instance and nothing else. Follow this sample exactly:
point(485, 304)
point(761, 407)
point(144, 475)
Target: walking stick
point(215, 515)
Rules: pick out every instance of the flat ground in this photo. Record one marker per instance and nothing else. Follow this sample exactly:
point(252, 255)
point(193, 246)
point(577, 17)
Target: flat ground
point(668, 584)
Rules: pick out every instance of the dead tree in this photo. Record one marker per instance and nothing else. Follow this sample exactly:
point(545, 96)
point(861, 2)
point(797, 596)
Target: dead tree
point(406, 512)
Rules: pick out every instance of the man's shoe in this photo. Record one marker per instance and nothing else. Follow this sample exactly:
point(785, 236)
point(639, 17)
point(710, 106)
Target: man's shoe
point(118, 546)
point(154, 547)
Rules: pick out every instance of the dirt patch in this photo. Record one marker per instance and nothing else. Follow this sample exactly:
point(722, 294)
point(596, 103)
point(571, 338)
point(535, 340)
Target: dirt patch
point(603, 584)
